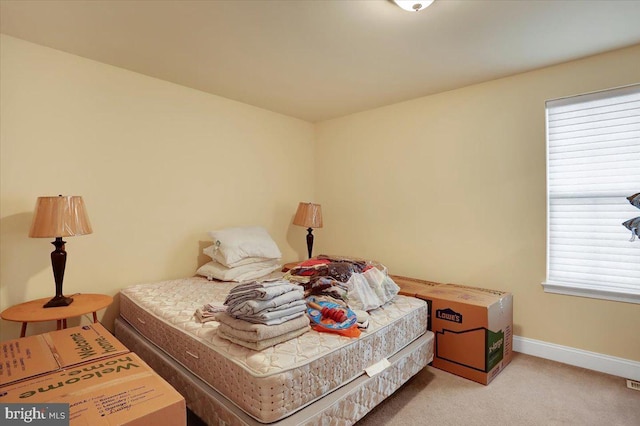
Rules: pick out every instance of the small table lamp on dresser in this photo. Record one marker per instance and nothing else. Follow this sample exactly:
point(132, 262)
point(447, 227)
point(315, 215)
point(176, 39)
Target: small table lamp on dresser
point(309, 215)
point(57, 217)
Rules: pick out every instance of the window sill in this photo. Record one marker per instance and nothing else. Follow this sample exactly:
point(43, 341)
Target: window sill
point(618, 294)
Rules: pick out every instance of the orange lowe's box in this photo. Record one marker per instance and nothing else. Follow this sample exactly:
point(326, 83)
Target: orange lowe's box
point(473, 327)
point(88, 372)
point(474, 330)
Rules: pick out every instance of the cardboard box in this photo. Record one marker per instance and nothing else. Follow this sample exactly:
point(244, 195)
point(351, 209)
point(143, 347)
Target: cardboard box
point(44, 353)
point(414, 287)
point(100, 380)
point(121, 390)
point(473, 328)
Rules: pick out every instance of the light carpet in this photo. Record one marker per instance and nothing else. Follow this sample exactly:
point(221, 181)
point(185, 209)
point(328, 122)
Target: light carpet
point(530, 391)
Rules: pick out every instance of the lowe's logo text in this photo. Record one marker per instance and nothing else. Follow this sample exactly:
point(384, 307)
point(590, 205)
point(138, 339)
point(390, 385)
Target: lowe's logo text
point(449, 315)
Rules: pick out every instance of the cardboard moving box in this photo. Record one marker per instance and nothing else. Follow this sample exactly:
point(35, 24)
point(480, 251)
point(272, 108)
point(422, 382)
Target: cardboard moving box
point(121, 390)
point(473, 327)
point(89, 369)
point(44, 353)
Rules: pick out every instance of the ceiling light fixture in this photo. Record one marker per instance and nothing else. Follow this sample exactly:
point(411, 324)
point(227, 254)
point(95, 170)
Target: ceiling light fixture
point(413, 5)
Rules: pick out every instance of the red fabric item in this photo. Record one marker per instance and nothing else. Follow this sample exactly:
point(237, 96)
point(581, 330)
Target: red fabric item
point(309, 267)
point(314, 262)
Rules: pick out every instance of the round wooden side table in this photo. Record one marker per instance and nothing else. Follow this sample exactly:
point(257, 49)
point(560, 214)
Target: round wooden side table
point(34, 312)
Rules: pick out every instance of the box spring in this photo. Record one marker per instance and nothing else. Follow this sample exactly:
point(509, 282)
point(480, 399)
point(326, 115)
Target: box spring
point(274, 383)
point(344, 406)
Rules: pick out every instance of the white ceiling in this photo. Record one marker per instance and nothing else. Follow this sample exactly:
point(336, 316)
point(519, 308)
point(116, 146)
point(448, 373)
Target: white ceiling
point(320, 59)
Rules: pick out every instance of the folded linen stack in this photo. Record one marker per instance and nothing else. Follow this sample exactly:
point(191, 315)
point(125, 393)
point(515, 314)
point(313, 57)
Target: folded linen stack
point(208, 312)
point(240, 254)
point(260, 315)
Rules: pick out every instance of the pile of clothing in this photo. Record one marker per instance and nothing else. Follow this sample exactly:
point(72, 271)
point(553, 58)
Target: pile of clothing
point(326, 276)
point(364, 284)
point(263, 314)
point(240, 254)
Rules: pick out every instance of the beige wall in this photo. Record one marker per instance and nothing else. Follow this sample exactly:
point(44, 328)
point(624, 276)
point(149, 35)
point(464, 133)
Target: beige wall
point(451, 188)
point(157, 164)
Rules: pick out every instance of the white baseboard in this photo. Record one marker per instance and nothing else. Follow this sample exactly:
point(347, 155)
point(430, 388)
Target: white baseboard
point(577, 357)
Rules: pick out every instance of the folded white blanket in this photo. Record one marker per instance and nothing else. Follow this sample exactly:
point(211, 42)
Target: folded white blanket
point(208, 312)
point(251, 332)
point(251, 285)
point(203, 316)
point(276, 317)
point(215, 270)
point(263, 344)
point(261, 293)
point(250, 307)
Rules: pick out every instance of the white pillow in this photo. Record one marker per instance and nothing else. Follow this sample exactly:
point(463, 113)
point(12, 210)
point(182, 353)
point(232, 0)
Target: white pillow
point(214, 254)
point(236, 244)
point(214, 270)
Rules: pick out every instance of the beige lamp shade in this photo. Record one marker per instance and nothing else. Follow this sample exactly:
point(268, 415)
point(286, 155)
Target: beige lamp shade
point(61, 216)
point(308, 215)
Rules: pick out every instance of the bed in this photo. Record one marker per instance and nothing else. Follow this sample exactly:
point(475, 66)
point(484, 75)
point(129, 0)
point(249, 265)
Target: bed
point(317, 378)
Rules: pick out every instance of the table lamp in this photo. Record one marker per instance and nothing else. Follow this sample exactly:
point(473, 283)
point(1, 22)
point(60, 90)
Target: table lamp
point(57, 217)
point(309, 215)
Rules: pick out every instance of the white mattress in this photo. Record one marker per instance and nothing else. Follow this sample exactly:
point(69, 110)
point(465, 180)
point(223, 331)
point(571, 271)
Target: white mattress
point(276, 382)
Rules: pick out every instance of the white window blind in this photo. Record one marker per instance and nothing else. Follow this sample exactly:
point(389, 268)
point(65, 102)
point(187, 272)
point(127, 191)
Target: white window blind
point(593, 164)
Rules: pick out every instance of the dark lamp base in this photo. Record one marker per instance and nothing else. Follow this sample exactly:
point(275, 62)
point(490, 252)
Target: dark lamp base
point(58, 301)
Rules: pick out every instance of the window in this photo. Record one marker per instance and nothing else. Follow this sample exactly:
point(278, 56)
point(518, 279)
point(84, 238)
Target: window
point(593, 165)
